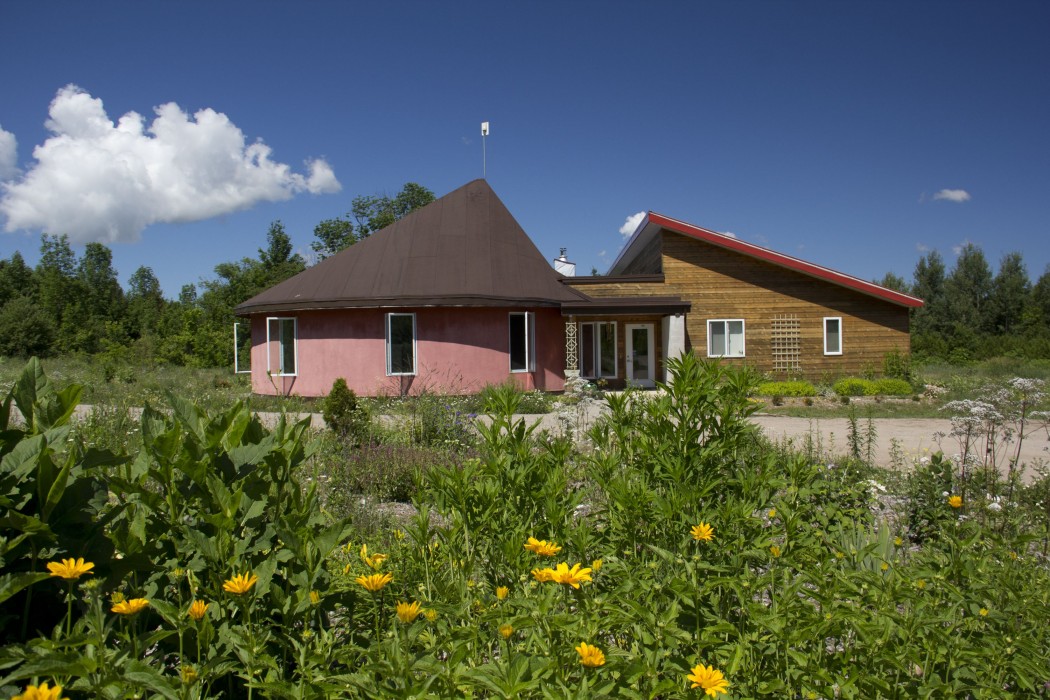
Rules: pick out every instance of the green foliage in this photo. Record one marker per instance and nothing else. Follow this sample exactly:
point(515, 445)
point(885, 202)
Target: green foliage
point(24, 329)
point(344, 415)
point(789, 388)
point(855, 386)
point(897, 365)
point(371, 213)
point(889, 386)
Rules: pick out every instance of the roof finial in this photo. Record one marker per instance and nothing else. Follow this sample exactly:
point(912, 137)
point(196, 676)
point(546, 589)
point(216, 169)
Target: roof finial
point(484, 133)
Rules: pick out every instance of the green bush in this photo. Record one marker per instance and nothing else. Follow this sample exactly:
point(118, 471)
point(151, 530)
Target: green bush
point(791, 388)
point(344, 414)
point(892, 387)
point(854, 386)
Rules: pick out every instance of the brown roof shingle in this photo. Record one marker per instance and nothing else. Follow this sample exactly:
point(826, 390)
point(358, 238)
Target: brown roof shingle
point(464, 249)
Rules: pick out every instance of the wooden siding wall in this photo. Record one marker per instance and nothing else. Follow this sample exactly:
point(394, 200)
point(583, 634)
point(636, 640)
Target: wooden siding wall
point(647, 262)
point(723, 284)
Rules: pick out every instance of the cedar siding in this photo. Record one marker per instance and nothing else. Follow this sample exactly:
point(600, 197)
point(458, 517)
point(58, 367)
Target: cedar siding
point(726, 284)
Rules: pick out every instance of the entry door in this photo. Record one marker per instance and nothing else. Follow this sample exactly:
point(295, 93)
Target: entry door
point(641, 360)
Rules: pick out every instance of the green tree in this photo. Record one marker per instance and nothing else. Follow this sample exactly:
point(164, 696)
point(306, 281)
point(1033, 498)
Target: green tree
point(928, 285)
point(332, 236)
point(16, 279)
point(145, 301)
point(1041, 298)
point(376, 212)
point(25, 330)
point(894, 282)
point(55, 274)
point(968, 290)
point(1011, 290)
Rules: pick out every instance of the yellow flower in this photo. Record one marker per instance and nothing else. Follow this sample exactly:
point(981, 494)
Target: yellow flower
point(543, 575)
point(570, 577)
point(839, 555)
point(596, 565)
point(542, 547)
point(346, 570)
point(116, 597)
point(189, 674)
point(374, 561)
point(898, 541)
point(502, 592)
point(431, 614)
point(703, 532)
point(710, 679)
point(70, 569)
point(408, 612)
point(130, 607)
point(955, 501)
point(885, 566)
point(240, 584)
point(40, 692)
point(315, 597)
point(983, 612)
point(774, 550)
point(198, 609)
point(921, 583)
point(590, 656)
point(772, 513)
point(399, 535)
point(374, 582)
point(506, 630)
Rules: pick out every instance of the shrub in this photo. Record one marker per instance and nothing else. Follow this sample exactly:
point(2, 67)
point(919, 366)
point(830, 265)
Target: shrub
point(792, 388)
point(343, 413)
point(897, 365)
point(892, 387)
point(854, 386)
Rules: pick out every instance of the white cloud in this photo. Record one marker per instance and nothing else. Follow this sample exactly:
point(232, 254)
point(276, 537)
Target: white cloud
point(729, 233)
point(922, 247)
point(8, 155)
point(957, 196)
point(99, 181)
point(630, 224)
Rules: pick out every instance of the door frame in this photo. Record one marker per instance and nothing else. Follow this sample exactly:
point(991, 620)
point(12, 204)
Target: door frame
point(650, 380)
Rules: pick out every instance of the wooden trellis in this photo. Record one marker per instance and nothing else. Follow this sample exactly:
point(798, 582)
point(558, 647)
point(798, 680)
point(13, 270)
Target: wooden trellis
point(786, 343)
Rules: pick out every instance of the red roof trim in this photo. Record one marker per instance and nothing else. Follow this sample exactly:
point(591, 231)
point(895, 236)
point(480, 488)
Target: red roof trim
point(787, 261)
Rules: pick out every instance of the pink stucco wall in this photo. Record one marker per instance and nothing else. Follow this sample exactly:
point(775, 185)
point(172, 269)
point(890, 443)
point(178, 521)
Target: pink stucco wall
point(458, 351)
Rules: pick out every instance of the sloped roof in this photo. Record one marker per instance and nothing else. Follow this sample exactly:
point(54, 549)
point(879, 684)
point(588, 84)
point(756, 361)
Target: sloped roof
point(654, 222)
point(464, 249)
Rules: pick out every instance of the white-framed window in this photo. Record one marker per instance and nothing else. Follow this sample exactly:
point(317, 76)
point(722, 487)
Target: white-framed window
point(725, 337)
point(400, 344)
point(282, 351)
point(598, 349)
point(832, 335)
point(522, 342)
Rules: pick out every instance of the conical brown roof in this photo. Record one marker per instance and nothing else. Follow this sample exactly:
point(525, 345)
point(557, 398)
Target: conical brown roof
point(464, 249)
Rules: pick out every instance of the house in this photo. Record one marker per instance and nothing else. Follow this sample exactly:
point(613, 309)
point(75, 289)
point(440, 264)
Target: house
point(456, 296)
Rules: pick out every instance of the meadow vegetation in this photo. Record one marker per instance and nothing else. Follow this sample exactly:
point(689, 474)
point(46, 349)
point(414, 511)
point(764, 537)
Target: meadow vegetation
point(674, 554)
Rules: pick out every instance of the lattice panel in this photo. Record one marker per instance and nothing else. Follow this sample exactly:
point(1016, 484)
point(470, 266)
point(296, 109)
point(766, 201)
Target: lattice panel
point(786, 342)
point(571, 362)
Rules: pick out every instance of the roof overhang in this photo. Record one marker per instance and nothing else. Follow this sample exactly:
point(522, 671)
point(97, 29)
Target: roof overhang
point(625, 306)
point(653, 223)
point(392, 302)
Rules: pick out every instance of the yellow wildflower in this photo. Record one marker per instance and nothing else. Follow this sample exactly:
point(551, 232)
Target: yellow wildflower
point(885, 566)
point(955, 501)
point(431, 614)
point(506, 630)
point(189, 674)
point(898, 541)
point(315, 597)
point(116, 597)
point(40, 692)
point(921, 583)
point(703, 532)
point(542, 547)
point(240, 584)
point(590, 656)
point(130, 607)
point(198, 609)
point(408, 612)
point(543, 575)
point(399, 535)
point(710, 679)
point(983, 612)
point(570, 577)
point(70, 569)
point(772, 513)
point(502, 592)
point(596, 565)
point(373, 561)
point(774, 550)
point(374, 582)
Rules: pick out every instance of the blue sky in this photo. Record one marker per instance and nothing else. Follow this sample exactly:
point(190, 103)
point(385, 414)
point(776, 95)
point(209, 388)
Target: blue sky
point(855, 135)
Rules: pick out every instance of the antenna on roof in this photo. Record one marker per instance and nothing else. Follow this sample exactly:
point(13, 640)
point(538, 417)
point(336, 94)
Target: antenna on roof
point(484, 133)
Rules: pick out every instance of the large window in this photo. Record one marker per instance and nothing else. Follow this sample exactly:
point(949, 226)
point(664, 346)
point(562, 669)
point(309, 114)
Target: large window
point(400, 344)
point(598, 349)
point(281, 350)
point(725, 338)
point(522, 342)
point(832, 335)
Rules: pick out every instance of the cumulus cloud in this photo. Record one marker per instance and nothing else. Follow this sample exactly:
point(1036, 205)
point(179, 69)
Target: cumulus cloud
point(630, 224)
point(729, 233)
point(99, 181)
point(957, 196)
point(8, 155)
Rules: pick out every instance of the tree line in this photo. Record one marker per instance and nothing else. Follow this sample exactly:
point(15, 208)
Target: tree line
point(71, 304)
point(971, 313)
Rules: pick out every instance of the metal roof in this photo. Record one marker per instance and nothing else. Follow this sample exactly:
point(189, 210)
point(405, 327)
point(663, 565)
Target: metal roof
point(464, 249)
